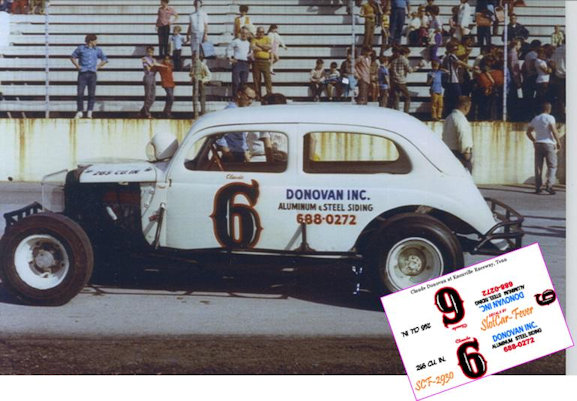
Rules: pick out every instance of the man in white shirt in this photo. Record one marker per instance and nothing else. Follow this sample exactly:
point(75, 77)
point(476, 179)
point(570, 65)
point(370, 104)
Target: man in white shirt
point(197, 28)
point(546, 141)
point(237, 53)
point(463, 20)
point(457, 133)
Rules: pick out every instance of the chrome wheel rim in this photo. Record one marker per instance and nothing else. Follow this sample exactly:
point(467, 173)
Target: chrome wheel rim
point(41, 261)
point(410, 262)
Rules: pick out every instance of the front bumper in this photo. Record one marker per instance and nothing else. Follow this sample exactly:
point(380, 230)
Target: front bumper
point(505, 236)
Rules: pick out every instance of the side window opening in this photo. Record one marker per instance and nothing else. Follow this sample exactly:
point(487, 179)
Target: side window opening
point(257, 151)
point(353, 153)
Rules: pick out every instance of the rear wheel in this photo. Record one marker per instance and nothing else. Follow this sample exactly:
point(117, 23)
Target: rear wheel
point(410, 249)
point(45, 259)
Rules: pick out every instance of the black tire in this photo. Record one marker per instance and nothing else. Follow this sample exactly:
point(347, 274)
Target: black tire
point(45, 259)
point(410, 249)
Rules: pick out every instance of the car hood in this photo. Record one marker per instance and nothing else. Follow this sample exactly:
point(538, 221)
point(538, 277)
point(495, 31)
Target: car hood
point(127, 171)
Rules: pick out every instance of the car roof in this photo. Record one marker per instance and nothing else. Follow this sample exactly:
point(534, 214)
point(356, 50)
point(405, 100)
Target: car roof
point(378, 117)
point(407, 126)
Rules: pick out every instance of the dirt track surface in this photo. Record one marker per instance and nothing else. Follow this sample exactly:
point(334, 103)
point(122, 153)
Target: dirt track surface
point(216, 355)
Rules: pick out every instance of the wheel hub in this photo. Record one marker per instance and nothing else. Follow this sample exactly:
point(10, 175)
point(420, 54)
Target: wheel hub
point(41, 261)
point(412, 262)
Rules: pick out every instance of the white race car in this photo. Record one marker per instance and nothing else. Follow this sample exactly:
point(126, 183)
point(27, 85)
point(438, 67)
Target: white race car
point(365, 184)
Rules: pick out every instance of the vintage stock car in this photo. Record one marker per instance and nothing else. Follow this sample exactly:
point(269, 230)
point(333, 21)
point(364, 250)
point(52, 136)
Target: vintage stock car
point(370, 185)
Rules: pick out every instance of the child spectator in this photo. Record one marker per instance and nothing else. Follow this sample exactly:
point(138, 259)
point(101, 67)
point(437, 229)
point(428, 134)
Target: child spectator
point(434, 80)
point(348, 79)
point(384, 81)
point(400, 68)
point(199, 75)
point(243, 20)
point(149, 65)
point(317, 80)
point(163, 21)
point(435, 33)
point(167, 82)
point(176, 42)
point(385, 30)
point(276, 42)
point(558, 37)
point(332, 80)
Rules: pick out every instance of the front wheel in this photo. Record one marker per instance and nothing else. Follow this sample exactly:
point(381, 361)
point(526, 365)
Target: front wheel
point(45, 259)
point(410, 249)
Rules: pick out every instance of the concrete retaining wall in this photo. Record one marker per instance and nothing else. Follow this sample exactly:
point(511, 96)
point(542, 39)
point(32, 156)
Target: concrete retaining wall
point(32, 148)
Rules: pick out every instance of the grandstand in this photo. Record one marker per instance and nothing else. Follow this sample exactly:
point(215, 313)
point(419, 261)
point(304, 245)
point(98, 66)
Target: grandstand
point(310, 28)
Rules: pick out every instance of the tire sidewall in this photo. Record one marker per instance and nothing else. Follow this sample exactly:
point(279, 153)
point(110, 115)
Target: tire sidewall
point(75, 243)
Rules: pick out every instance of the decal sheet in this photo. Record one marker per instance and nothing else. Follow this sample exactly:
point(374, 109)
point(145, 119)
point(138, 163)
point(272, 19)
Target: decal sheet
point(477, 321)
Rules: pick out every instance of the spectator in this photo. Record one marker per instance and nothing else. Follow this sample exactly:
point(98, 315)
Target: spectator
point(150, 66)
point(399, 70)
point(374, 87)
point(515, 76)
point(363, 72)
point(547, 143)
point(237, 53)
point(385, 29)
point(558, 37)
point(457, 133)
point(455, 77)
point(199, 75)
point(516, 30)
point(332, 81)
point(261, 47)
point(384, 81)
point(167, 82)
point(369, 13)
point(413, 29)
point(176, 41)
point(542, 81)
point(463, 20)
point(557, 82)
point(453, 21)
point(317, 80)
point(435, 32)
point(37, 7)
point(19, 7)
point(243, 20)
point(163, 21)
point(276, 42)
point(234, 146)
point(486, 88)
point(398, 19)
point(5, 6)
point(435, 81)
point(486, 11)
point(197, 29)
point(274, 98)
point(348, 79)
point(85, 59)
point(529, 73)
